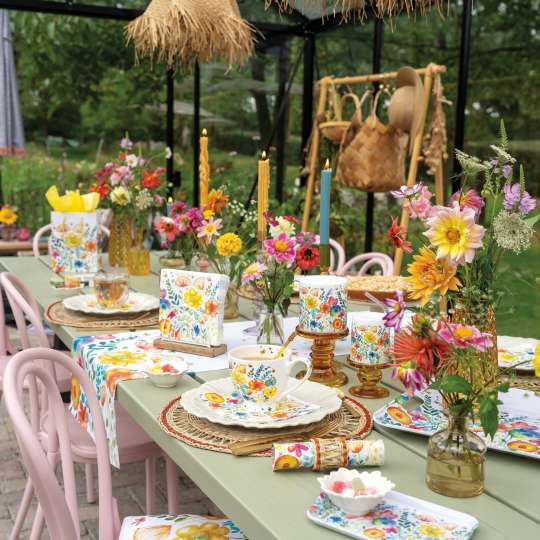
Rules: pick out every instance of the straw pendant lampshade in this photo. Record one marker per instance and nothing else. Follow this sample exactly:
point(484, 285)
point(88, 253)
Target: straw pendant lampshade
point(360, 8)
point(189, 31)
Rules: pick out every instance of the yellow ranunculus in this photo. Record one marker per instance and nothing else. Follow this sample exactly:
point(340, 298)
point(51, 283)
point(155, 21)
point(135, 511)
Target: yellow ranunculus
point(229, 244)
point(8, 216)
point(193, 298)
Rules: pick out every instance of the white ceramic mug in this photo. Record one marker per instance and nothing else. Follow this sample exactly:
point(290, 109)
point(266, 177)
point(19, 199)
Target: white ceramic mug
point(260, 377)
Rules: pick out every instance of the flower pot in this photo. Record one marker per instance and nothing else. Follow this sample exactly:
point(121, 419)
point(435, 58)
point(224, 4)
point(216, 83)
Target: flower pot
point(455, 460)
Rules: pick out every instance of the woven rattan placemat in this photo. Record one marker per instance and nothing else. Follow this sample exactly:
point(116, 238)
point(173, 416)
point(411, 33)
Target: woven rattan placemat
point(57, 313)
point(352, 420)
point(526, 382)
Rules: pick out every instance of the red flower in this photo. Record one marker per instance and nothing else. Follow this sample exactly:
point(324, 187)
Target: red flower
point(151, 179)
point(100, 187)
point(307, 257)
point(397, 237)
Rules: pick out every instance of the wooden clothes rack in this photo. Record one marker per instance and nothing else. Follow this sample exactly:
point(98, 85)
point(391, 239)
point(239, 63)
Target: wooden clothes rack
point(313, 159)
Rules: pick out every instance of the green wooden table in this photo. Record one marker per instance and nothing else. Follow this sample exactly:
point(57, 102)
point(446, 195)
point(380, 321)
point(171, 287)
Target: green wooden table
point(268, 505)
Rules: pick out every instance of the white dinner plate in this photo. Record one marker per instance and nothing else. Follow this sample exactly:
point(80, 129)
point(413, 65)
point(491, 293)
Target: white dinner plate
point(311, 403)
point(137, 302)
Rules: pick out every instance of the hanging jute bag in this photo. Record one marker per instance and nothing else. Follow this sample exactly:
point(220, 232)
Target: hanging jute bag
point(372, 158)
point(335, 129)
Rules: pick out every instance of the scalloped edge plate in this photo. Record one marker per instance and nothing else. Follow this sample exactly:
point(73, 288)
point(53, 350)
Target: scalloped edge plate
point(86, 303)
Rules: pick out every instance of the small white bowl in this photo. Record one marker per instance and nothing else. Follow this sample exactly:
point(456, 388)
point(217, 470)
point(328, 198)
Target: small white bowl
point(356, 504)
point(168, 378)
point(66, 292)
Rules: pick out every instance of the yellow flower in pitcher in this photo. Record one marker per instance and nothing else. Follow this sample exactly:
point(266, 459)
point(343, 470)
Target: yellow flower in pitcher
point(431, 531)
point(229, 244)
point(8, 216)
point(192, 298)
point(206, 531)
point(72, 240)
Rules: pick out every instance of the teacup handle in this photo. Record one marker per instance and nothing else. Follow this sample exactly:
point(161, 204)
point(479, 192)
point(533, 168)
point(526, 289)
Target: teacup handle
point(289, 365)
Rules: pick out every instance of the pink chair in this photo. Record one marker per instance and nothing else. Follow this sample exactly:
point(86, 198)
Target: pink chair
point(366, 261)
point(6, 348)
point(337, 254)
point(59, 507)
point(133, 443)
point(47, 229)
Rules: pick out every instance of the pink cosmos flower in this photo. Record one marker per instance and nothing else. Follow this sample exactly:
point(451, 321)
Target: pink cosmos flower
point(394, 316)
point(209, 228)
point(253, 272)
point(404, 192)
point(470, 199)
point(463, 337)
point(281, 248)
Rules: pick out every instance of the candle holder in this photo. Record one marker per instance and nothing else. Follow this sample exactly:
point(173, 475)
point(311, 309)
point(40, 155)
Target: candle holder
point(369, 377)
point(324, 370)
point(324, 265)
point(370, 342)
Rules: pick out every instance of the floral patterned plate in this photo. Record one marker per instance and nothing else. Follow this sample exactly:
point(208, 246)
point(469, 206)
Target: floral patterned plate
point(217, 403)
point(137, 302)
point(398, 517)
point(519, 421)
point(514, 350)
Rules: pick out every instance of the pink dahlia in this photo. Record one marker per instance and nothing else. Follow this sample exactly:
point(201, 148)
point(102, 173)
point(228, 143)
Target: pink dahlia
point(463, 337)
point(470, 199)
point(281, 248)
point(419, 205)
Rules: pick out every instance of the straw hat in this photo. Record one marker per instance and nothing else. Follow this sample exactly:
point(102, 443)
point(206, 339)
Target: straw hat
point(405, 109)
point(189, 31)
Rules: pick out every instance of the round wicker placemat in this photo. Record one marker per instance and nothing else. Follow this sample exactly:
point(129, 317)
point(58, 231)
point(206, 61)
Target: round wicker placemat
point(526, 382)
point(57, 313)
point(352, 420)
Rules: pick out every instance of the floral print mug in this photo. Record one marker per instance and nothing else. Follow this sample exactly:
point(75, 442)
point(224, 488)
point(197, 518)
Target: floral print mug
point(258, 376)
point(323, 304)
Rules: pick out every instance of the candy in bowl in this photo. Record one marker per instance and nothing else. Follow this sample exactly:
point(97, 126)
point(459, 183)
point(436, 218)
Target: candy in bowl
point(355, 492)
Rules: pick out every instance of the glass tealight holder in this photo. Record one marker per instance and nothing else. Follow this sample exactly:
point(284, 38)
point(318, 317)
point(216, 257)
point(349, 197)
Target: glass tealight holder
point(111, 289)
point(370, 345)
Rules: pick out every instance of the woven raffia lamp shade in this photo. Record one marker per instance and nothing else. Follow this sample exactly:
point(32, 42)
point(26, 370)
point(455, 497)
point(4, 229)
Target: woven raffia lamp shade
point(360, 8)
point(187, 31)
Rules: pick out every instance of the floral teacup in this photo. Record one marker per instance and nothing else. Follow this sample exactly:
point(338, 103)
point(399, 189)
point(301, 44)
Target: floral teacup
point(323, 304)
point(261, 377)
point(370, 339)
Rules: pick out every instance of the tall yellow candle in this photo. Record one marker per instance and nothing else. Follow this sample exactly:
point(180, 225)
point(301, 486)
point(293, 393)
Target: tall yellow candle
point(204, 169)
point(263, 187)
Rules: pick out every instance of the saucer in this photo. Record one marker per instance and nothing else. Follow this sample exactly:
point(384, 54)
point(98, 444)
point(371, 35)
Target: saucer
point(136, 303)
point(218, 403)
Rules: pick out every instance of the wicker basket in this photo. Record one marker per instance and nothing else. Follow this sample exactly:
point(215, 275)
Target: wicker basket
point(335, 128)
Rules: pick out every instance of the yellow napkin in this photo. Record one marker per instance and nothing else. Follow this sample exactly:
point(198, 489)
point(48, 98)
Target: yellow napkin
point(72, 201)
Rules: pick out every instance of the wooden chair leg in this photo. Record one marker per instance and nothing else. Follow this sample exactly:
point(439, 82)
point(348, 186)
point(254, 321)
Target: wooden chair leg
point(172, 486)
point(150, 469)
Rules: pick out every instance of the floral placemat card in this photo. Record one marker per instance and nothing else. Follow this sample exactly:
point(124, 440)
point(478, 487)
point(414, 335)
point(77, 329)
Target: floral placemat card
point(398, 517)
point(191, 307)
point(519, 420)
point(74, 240)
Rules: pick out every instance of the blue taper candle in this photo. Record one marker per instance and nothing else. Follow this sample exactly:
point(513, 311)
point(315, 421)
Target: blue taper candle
point(326, 179)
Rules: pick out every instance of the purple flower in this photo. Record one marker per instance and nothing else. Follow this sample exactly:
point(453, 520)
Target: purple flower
point(507, 169)
point(394, 316)
point(195, 216)
point(515, 199)
point(126, 144)
point(405, 192)
point(306, 238)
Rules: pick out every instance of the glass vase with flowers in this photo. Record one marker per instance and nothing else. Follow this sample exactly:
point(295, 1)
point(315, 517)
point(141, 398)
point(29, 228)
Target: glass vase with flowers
point(133, 189)
point(8, 219)
point(451, 344)
point(272, 275)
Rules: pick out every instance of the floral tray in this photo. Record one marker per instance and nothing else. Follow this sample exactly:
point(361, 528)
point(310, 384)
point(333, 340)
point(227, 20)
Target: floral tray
point(519, 422)
point(398, 517)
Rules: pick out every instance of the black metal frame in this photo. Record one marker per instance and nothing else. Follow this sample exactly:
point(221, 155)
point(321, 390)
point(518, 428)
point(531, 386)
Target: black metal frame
point(273, 34)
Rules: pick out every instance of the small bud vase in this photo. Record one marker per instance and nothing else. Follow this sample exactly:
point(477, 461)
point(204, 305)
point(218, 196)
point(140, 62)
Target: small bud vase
point(455, 460)
point(232, 310)
point(270, 329)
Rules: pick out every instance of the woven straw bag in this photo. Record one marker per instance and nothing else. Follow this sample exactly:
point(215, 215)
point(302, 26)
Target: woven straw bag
point(372, 157)
point(336, 128)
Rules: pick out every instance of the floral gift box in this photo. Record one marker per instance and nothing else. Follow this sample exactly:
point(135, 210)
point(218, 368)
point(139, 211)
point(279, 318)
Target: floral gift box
point(323, 304)
point(191, 307)
point(74, 240)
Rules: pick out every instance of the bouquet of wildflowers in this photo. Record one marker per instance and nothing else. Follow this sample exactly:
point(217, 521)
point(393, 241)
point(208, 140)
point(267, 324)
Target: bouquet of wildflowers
point(457, 266)
point(283, 254)
point(130, 184)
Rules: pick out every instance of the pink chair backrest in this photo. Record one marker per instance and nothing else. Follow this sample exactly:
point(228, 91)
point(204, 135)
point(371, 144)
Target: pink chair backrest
point(59, 505)
point(24, 308)
point(47, 229)
point(5, 345)
point(368, 260)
